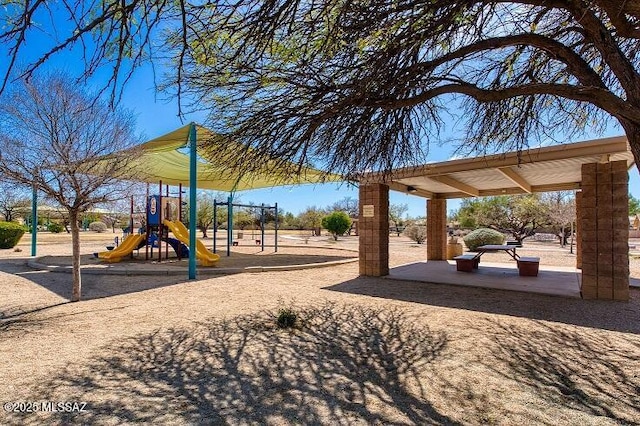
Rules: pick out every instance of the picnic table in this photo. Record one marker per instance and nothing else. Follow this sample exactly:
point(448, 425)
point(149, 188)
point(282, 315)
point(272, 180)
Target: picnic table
point(527, 266)
point(492, 248)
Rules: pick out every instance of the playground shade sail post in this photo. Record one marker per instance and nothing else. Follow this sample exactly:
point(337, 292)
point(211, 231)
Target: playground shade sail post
point(34, 220)
point(229, 224)
point(215, 223)
point(193, 182)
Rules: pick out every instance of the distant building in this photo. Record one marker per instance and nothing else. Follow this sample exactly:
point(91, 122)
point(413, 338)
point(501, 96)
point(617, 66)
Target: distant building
point(634, 222)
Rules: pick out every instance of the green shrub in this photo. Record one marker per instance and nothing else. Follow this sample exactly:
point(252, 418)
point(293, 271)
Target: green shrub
point(337, 223)
point(483, 236)
point(10, 234)
point(56, 228)
point(98, 226)
point(287, 318)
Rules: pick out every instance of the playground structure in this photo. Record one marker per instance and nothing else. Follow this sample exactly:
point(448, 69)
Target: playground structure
point(163, 215)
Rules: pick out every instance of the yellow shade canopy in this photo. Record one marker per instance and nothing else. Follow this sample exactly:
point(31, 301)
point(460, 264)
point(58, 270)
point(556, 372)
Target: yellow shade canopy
point(161, 159)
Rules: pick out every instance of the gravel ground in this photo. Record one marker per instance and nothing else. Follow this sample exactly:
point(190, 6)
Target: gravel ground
point(168, 350)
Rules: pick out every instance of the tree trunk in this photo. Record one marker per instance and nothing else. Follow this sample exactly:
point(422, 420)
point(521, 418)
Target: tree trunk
point(203, 229)
point(632, 131)
point(571, 248)
point(75, 249)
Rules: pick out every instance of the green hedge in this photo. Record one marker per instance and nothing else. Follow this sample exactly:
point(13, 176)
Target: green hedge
point(483, 236)
point(56, 228)
point(10, 234)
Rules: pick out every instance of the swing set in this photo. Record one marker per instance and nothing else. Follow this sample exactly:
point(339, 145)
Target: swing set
point(230, 205)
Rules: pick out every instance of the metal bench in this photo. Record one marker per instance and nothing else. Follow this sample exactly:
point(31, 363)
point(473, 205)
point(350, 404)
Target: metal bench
point(467, 262)
point(528, 266)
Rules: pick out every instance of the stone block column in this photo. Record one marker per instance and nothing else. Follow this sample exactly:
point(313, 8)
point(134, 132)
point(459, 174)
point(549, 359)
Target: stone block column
point(373, 230)
point(604, 231)
point(437, 229)
point(578, 229)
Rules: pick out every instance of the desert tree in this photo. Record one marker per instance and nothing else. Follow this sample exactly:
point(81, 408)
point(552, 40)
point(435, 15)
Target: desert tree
point(337, 222)
point(349, 205)
point(366, 85)
point(119, 210)
point(361, 85)
point(288, 220)
point(14, 202)
point(205, 210)
point(521, 216)
point(67, 143)
point(311, 218)
point(396, 215)
point(466, 214)
point(561, 210)
point(112, 34)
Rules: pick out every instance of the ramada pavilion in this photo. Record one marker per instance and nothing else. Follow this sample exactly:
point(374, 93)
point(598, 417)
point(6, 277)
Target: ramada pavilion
point(597, 169)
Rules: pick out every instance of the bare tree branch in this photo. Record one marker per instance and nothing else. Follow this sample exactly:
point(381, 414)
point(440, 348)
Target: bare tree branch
point(55, 138)
point(357, 86)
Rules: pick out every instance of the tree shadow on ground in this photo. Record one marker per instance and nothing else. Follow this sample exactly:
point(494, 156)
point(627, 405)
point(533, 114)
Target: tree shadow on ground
point(608, 315)
point(94, 286)
point(595, 373)
point(343, 364)
point(236, 260)
point(24, 320)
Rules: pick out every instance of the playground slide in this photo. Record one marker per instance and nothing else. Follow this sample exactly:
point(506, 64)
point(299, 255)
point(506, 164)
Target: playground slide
point(177, 245)
point(131, 243)
point(206, 257)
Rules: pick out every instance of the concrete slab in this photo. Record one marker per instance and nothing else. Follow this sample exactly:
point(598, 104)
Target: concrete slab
point(557, 281)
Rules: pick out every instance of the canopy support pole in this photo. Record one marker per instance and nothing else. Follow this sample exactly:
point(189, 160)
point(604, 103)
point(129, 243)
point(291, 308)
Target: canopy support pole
point(34, 219)
point(276, 226)
point(229, 224)
point(215, 223)
point(262, 227)
point(193, 182)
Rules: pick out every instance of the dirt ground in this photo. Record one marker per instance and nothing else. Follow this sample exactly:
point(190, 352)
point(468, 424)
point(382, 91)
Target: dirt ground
point(167, 350)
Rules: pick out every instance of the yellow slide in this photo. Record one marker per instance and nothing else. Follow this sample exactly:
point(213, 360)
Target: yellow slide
point(206, 257)
point(128, 245)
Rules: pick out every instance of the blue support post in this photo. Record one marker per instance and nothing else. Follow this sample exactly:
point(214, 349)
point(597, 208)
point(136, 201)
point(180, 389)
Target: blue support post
point(276, 226)
point(229, 224)
point(34, 220)
point(215, 223)
point(193, 183)
point(262, 228)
